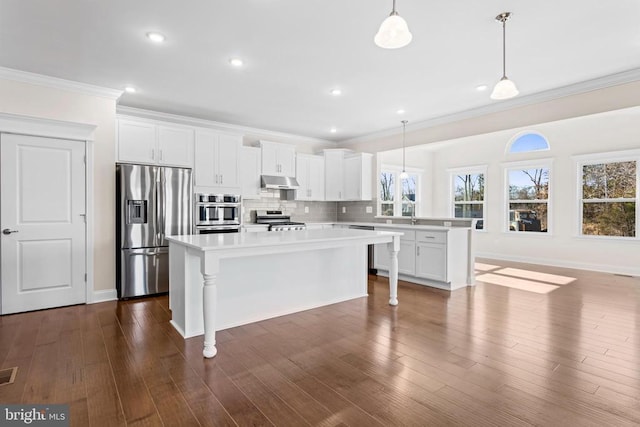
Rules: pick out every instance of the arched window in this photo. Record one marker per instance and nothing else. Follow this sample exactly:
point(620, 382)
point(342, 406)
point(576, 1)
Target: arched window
point(527, 141)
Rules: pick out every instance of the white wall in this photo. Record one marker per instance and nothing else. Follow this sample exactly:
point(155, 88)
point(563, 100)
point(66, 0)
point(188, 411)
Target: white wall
point(604, 132)
point(45, 102)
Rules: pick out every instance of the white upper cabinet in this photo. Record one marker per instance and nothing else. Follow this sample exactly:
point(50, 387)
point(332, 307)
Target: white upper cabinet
point(310, 176)
point(357, 176)
point(216, 161)
point(348, 175)
point(154, 143)
point(334, 174)
point(250, 172)
point(278, 159)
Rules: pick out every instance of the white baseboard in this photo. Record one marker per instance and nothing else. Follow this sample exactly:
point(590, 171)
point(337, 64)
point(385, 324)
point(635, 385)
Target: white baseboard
point(102, 296)
point(602, 268)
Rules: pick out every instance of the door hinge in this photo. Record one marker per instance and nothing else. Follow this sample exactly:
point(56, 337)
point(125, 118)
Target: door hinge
point(84, 217)
point(85, 277)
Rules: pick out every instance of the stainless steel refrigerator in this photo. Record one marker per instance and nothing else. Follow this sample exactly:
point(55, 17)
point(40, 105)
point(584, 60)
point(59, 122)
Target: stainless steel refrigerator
point(151, 203)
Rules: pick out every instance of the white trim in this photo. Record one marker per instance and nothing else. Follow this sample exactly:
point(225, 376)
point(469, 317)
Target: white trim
point(103, 296)
point(89, 204)
point(57, 83)
point(606, 157)
point(616, 79)
point(123, 112)
point(36, 126)
point(555, 262)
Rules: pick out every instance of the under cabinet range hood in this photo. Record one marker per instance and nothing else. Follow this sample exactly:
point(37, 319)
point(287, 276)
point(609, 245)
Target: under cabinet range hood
point(279, 182)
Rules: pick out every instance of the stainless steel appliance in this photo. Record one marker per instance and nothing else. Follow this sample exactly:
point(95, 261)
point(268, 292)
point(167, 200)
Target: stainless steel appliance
point(278, 221)
point(151, 203)
point(217, 213)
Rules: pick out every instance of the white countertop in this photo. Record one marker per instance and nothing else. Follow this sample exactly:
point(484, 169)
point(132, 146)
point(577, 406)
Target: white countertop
point(227, 241)
point(395, 226)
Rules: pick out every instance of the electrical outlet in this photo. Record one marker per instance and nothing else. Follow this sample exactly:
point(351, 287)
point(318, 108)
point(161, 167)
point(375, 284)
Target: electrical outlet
point(369, 209)
point(306, 209)
point(388, 221)
point(447, 223)
point(344, 209)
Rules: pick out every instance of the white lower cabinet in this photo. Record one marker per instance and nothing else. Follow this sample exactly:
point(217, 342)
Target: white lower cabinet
point(406, 256)
point(439, 258)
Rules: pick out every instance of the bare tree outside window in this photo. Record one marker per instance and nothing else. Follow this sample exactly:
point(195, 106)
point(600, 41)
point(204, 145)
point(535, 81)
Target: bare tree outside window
point(609, 199)
point(468, 196)
point(528, 199)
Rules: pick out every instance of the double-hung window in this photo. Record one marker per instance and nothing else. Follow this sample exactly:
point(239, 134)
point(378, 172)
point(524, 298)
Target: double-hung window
point(528, 190)
point(608, 194)
point(398, 196)
point(468, 193)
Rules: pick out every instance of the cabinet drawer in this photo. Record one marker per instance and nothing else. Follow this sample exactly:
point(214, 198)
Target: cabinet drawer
point(431, 236)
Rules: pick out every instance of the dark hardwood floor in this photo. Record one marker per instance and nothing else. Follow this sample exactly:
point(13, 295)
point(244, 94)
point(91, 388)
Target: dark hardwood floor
point(528, 345)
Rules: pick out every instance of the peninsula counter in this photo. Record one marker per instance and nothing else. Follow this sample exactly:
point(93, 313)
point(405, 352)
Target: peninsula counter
point(218, 281)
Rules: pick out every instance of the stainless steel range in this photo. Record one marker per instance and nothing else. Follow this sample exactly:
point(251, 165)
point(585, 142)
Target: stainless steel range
point(278, 221)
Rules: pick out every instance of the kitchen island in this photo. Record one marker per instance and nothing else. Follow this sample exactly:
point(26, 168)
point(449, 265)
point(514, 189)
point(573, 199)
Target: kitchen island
point(218, 281)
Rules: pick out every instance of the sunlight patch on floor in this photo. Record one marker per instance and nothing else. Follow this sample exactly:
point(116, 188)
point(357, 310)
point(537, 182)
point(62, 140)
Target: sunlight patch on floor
point(515, 283)
point(479, 266)
point(535, 275)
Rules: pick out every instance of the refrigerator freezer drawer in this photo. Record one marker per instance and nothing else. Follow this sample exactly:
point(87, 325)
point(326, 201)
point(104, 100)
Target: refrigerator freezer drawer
point(143, 272)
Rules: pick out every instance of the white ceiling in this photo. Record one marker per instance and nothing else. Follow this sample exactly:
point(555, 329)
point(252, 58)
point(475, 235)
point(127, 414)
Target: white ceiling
point(296, 51)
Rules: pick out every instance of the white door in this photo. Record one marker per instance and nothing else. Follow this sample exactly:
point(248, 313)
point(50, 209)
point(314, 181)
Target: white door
point(42, 212)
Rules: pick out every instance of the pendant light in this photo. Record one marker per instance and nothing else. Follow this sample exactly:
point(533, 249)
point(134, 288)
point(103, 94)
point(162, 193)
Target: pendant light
point(394, 31)
point(404, 174)
point(505, 88)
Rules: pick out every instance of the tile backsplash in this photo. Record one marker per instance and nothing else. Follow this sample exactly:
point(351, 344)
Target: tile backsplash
point(270, 200)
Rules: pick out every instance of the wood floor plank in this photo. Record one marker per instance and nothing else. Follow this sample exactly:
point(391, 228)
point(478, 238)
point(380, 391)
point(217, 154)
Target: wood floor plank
point(486, 355)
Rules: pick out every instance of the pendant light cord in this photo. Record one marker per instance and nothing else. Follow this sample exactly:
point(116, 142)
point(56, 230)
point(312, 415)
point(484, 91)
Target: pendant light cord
point(404, 127)
point(504, 48)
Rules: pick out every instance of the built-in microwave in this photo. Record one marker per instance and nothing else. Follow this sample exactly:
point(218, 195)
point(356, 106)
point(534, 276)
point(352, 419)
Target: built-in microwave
point(213, 210)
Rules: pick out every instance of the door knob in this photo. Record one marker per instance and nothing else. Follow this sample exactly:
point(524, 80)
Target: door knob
point(7, 231)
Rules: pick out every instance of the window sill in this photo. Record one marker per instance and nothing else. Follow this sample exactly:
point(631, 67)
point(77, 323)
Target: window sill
point(617, 239)
point(534, 234)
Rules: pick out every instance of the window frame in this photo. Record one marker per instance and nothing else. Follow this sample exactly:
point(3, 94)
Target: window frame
point(518, 135)
point(603, 158)
point(397, 204)
point(469, 170)
point(522, 165)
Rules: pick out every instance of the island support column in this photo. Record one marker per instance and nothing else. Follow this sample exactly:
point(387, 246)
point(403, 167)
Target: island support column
point(394, 248)
point(210, 268)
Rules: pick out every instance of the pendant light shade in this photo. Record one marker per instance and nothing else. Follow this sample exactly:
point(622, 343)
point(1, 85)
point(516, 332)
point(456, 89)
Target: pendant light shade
point(505, 88)
point(394, 31)
point(404, 174)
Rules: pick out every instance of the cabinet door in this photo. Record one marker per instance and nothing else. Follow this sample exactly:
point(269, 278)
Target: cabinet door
point(227, 160)
point(175, 146)
point(302, 176)
point(136, 142)
point(205, 171)
point(316, 178)
point(270, 159)
point(352, 176)
point(250, 172)
point(287, 160)
point(407, 258)
point(431, 261)
point(334, 176)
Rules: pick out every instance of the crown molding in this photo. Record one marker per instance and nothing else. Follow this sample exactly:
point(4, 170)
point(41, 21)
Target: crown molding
point(37, 126)
point(56, 83)
point(610, 80)
point(124, 111)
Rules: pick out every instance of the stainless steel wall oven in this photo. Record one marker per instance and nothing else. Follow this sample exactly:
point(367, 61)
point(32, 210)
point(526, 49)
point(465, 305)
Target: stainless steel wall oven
point(217, 213)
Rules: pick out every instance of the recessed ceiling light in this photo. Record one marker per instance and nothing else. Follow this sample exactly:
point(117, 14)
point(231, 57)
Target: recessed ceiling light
point(334, 130)
point(482, 88)
point(400, 111)
point(236, 62)
point(130, 89)
point(336, 92)
point(155, 37)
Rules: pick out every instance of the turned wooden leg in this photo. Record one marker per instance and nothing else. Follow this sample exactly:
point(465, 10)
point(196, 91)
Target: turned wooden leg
point(210, 302)
point(394, 248)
